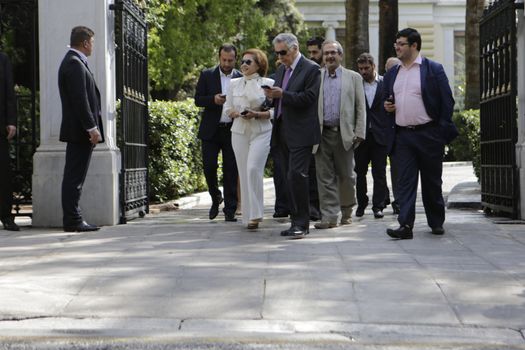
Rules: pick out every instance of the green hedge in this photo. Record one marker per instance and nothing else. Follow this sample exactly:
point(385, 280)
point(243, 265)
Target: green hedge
point(466, 146)
point(175, 163)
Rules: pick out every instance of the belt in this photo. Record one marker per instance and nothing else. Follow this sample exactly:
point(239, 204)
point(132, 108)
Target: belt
point(225, 125)
point(417, 127)
point(332, 128)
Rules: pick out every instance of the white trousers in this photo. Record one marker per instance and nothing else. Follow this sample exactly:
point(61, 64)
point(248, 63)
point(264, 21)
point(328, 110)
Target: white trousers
point(251, 151)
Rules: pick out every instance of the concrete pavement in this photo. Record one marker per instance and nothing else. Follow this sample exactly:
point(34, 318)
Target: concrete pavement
point(178, 280)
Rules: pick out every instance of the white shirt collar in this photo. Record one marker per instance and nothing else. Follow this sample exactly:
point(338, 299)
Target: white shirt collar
point(83, 57)
point(294, 64)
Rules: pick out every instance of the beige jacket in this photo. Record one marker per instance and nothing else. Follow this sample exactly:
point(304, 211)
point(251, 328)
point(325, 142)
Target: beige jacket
point(353, 107)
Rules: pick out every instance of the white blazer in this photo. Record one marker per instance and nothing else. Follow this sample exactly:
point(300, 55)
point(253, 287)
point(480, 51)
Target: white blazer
point(246, 93)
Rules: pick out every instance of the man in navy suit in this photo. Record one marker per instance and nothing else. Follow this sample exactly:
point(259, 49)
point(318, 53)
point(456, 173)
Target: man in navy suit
point(81, 124)
point(379, 134)
point(215, 133)
point(7, 132)
point(418, 95)
point(296, 128)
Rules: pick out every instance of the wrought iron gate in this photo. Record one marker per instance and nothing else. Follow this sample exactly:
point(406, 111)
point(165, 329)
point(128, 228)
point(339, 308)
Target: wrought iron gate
point(498, 109)
point(132, 91)
point(19, 40)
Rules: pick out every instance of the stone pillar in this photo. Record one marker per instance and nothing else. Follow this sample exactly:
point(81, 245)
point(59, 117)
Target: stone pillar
point(520, 145)
point(99, 201)
point(330, 29)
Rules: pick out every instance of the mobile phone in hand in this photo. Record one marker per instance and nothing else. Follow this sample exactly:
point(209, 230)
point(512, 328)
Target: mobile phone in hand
point(391, 99)
point(266, 86)
point(244, 112)
point(223, 95)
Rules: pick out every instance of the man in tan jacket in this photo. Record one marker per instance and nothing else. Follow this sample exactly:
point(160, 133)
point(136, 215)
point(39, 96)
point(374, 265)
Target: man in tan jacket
point(342, 117)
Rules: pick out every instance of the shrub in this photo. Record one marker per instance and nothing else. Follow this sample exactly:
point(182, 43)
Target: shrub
point(467, 145)
point(175, 163)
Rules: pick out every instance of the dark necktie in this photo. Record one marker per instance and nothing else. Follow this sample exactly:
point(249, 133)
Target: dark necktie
point(283, 86)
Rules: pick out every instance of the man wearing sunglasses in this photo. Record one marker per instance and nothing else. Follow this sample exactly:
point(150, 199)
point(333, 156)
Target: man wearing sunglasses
point(417, 94)
point(296, 128)
point(215, 131)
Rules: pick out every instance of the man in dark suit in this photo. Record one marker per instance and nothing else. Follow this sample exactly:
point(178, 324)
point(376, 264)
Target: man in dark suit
point(7, 132)
point(418, 95)
point(379, 134)
point(296, 129)
point(81, 124)
point(215, 131)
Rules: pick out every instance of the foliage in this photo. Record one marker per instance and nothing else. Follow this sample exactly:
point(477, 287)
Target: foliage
point(175, 167)
point(467, 145)
point(184, 35)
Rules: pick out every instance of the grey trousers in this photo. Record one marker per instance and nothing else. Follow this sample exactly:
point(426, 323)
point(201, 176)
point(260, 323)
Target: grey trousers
point(335, 176)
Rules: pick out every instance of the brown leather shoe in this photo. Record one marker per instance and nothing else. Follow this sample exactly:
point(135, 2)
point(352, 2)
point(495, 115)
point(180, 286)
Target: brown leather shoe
point(324, 225)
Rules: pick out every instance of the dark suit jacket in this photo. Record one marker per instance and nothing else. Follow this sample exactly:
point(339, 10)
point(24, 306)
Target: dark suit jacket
point(377, 121)
point(80, 100)
point(436, 93)
point(299, 105)
point(7, 95)
point(208, 85)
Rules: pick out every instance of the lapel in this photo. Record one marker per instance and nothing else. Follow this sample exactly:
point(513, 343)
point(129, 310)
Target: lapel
point(424, 73)
point(295, 72)
point(345, 84)
point(377, 96)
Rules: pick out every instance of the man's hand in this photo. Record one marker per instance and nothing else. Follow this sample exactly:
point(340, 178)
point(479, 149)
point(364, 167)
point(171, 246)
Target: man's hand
point(273, 92)
point(219, 99)
point(94, 137)
point(357, 141)
point(390, 107)
point(11, 131)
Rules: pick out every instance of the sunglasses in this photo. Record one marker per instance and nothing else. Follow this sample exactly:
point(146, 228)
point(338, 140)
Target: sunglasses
point(246, 62)
point(281, 53)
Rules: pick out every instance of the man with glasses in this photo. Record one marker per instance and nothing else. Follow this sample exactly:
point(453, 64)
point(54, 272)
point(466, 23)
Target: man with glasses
point(215, 132)
point(417, 94)
point(342, 117)
point(296, 129)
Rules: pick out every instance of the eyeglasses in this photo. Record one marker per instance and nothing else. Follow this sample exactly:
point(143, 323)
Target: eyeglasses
point(281, 53)
point(400, 44)
point(330, 53)
point(246, 62)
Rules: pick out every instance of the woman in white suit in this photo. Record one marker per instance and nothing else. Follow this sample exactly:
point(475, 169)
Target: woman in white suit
point(251, 132)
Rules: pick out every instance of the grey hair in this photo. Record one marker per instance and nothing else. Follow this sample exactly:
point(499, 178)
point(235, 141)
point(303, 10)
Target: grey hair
point(288, 38)
point(334, 42)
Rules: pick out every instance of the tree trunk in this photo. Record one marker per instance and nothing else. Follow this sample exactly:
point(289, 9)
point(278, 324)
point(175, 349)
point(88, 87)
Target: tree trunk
point(388, 27)
point(473, 14)
point(356, 38)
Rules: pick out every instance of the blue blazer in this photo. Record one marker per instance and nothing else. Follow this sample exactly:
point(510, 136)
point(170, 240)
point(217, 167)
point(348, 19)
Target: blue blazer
point(436, 93)
point(378, 121)
point(208, 86)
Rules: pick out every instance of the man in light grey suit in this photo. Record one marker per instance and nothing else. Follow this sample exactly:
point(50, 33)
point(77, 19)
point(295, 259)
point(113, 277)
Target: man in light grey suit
point(342, 117)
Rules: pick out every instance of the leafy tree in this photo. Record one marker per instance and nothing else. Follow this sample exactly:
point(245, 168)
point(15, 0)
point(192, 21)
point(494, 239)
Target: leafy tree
point(184, 35)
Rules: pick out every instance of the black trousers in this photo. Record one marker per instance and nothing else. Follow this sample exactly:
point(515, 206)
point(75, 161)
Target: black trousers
point(78, 157)
point(371, 151)
point(6, 186)
point(279, 182)
point(419, 153)
point(221, 142)
point(296, 162)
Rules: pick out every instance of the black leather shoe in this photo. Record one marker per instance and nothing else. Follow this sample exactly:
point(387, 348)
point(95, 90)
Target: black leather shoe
point(378, 213)
point(230, 218)
point(82, 227)
point(280, 214)
point(438, 231)
point(360, 211)
point(214, 210)
point(295, 232)
point(395, 208)
point(403, 232)
point(9, 224)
